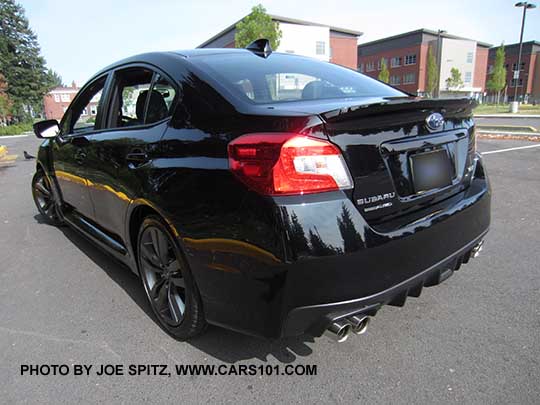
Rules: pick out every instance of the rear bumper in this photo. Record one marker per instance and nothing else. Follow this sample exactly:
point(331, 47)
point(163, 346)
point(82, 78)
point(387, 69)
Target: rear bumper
point(357, 269)
point(331, 262)
point(315, 319)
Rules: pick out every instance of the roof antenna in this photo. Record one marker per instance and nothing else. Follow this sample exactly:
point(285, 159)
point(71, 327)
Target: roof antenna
point(261, 47)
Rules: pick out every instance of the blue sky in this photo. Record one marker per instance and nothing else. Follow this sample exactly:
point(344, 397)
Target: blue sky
point(78, 38)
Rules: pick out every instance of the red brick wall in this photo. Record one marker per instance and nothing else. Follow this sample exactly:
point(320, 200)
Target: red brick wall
point(422, 67)
point(530, 69)
point(344, 51)
point(53, 110)
point(535, 71)
point(527, 74)
point(418, 69)
point(480, 67)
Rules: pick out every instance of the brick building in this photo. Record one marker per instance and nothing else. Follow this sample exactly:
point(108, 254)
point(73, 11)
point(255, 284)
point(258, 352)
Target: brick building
point(324, 42)
point(56, 102)
point(529, 75)
point(406, 57)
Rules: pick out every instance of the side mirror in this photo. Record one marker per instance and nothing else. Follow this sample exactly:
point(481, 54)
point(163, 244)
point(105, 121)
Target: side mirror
point(46, 129)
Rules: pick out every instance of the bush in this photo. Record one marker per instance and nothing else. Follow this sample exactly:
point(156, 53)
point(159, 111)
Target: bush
point(16, 129)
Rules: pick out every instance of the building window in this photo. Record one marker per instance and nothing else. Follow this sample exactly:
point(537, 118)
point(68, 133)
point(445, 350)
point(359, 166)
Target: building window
point(468, 77)
point(522, 66)
point(93, 110)
point(57, 98)
point(490, 69)
point(379, 63)
point(395, 61)
point(469, 57)
point(370, 67)
point(519, 84)
point(395, 80)
point(361, 68)
point(409, 78)
point(65, 98)
point(410, 59)
point(320, 48)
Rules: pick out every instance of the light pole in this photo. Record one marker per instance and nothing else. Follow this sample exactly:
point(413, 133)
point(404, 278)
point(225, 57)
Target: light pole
point(439, 57)
point(526, 5)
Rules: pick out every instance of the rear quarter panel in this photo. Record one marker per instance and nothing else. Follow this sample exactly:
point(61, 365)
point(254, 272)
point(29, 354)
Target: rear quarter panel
point(233, 238)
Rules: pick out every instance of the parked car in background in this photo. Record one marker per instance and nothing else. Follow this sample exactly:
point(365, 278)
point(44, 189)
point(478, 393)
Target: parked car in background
point(268, 193)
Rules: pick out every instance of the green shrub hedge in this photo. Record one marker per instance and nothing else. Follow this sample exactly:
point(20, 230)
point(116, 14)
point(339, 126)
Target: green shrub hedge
point(16, 129)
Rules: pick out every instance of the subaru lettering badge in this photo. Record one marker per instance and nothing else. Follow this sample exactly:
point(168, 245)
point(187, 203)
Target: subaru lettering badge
point(435, 121)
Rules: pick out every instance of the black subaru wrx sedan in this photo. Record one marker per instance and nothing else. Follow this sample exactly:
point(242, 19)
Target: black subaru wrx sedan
point(268, 193)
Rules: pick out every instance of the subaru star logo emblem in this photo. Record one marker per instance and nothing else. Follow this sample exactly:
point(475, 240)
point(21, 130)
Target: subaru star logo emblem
point(435, 121)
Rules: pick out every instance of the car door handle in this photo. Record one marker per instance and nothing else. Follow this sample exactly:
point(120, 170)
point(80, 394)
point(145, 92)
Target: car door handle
point(136, 158)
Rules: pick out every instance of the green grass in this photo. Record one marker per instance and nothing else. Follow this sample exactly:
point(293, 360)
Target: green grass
point(15, 129)
point(505, 109)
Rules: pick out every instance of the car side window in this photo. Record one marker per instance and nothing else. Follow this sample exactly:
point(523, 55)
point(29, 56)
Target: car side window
point(161, 100)
point(82, 116)
point(129, 102)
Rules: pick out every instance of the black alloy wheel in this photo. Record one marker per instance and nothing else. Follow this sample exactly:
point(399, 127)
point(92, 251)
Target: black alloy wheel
point(44, 199)
point(167, 281)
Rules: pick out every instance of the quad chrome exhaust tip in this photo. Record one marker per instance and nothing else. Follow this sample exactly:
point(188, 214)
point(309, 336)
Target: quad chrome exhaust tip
point(338, 330)
point(475, 252)
point(359, 324)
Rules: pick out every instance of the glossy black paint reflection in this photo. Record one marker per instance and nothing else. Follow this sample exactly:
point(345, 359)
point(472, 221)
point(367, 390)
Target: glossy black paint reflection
point(256, 258)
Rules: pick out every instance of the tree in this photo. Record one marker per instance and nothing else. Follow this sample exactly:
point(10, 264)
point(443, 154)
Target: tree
point(20, 61)
point(53, 79)
point(432, 72)
point(454, 82)
point(384, 74)
point(257, 25)
point(5, 102)
point(497, 81)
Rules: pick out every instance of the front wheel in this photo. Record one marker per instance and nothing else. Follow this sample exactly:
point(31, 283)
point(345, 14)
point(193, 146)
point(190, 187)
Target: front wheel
point(44, 199)
point(169, 285)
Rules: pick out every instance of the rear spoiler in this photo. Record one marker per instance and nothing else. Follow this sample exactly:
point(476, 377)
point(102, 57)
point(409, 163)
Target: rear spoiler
point(454, 107)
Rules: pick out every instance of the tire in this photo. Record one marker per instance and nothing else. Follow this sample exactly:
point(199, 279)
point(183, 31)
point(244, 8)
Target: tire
point(167, 281)
point(44, 199)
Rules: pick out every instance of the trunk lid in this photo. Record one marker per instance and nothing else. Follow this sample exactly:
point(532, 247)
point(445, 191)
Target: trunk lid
point(398, 163)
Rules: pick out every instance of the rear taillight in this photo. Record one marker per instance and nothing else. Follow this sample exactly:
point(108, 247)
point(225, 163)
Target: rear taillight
point(285, 164)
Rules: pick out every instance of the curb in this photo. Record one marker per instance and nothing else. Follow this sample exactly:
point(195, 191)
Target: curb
point(509, 115)
point(509, 136)
point(492, 131)
point(2, 137)
point(506, 128)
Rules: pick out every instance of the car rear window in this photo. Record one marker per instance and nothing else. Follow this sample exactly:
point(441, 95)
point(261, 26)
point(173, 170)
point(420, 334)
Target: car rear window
point(282, 78)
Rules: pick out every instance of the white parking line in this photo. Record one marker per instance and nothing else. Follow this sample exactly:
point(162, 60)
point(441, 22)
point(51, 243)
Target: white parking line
point(12, 136)
point(509, 149)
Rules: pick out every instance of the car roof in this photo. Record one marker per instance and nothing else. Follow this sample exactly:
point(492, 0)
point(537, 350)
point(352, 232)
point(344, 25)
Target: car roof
point(188, 53)
point(168, 59)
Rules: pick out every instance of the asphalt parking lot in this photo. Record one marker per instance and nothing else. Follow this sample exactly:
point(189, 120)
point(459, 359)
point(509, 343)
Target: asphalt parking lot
point(473, 339)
